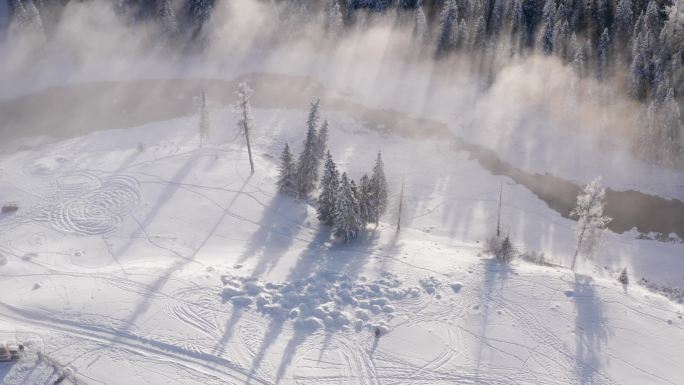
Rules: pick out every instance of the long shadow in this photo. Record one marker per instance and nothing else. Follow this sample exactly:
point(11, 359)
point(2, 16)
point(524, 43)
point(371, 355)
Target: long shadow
point(590, 332)
point(495, 276)
point(178, 265)
point(281, 222)
point(290, 350)
point(163, 199)
point(275, 327)
point(342, 258)
point(271, 241)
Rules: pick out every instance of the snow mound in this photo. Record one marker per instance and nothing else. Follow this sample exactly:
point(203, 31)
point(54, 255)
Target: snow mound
point(326, 300)
point(430, 284)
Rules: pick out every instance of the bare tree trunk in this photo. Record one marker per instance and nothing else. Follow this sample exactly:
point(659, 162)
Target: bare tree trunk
point(249, 146)
point(498, 215)
point(401, 204)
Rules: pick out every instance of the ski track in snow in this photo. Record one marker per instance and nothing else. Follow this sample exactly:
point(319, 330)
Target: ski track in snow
point(84, 203)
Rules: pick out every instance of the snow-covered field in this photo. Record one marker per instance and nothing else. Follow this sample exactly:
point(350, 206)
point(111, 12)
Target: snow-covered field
point(137, 257)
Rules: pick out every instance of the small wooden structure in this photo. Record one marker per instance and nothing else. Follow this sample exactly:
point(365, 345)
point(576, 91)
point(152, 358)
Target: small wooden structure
point(10, 351)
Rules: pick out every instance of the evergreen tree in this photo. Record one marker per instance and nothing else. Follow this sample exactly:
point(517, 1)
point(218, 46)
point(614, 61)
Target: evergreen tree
point(347, 221)
point(322, 141)
point(670, 123)
point(420, 29)
point(480, 34)
point(200, 11)
point(624, 19)
point(334, 18)
point(307, 164)
point(167, 17)
point(497, 19)
point(447, 22)
point(287, 180)
point(590, 218)
point(546, 38)
point(602, 54)
point(578, 58)
point(365, 200)
point(204, 121)
point(379, 192)
point(330, 184)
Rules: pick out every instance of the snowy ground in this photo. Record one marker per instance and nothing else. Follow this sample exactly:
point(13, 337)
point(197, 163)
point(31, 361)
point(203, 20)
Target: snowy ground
point(138, 258)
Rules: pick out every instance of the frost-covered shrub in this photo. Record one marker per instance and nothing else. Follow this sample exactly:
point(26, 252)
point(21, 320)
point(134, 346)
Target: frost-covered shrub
point(501, 248)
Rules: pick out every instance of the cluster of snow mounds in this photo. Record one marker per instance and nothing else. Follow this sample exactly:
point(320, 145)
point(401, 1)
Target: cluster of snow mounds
point(86, 204)
point(326, 300)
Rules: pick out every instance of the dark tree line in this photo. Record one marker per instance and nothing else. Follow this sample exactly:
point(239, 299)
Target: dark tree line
point(599, 38)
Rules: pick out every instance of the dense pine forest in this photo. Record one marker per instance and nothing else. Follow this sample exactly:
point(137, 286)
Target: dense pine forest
point(635, 46)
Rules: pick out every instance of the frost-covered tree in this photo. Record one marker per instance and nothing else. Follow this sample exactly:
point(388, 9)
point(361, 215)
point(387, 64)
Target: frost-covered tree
point(448, 18)
point(379, 192)
point(322, 141)
point(27, 18)
point(334, 20)
point(602, 54)
point(347, 220)
point(420, 28)
point(578, 58)
point(330, 185)
point(244, 115)
point(200, 11)
point(365, 199)
point(308, 161)
point(287, 180)
point(591, 222)
point(623, 25)
point(497, 19)
point(204, 120)
point(167, 17)
point(546, 37)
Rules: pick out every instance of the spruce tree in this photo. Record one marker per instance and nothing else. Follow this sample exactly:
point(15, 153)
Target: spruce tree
point(602, 55)
point(308, 161)
point(623, 25)
point(322, 141)
point(347, 221)
point(447, 23)
point(330, 185)
point(167, 17)
point(379, 192)
point(420, 28)
point(365, 200)
point(334, 20)
point(287, 180)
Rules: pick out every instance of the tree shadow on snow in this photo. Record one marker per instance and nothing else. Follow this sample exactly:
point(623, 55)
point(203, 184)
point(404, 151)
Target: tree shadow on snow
point(163, 279)
point(320, 256)
point(496, 274)
point(590, 331)
point(282, 220)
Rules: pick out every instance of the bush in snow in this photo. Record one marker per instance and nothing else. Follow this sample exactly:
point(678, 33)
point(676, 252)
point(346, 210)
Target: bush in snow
point(501, 248)
point(623, 278)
